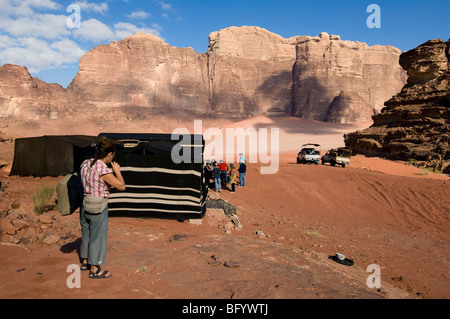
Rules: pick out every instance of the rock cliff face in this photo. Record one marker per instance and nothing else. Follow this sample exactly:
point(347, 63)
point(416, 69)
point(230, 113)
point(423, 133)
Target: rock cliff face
point(250, 71)
point(20, 93)
point(246, 71)
point(414, 125)
point(142, 70)
point(343, 81)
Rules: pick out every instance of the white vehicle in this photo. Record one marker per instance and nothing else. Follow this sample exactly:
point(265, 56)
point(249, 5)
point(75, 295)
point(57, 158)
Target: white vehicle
point(310, 153)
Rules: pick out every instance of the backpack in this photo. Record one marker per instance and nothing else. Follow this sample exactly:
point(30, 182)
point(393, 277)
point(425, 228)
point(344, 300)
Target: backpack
point(69, 194)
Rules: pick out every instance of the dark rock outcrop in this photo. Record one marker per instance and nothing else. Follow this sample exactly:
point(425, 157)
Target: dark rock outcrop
point(414, 125)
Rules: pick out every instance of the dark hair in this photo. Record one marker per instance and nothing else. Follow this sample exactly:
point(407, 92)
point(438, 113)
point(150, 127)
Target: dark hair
point(104, 147)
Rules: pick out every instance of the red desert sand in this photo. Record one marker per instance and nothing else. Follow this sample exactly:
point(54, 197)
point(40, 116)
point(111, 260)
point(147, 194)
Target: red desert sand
point(375, 212)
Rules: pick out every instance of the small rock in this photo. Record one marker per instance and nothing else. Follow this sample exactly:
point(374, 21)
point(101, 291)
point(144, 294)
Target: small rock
point(20, 224)
point(45, 219)
point(6, 227)
point(16, 204)
point(3, 213)
point(28, 214)
point(260, 234)
point(195, 221)
point(232, 264)
point(14, 240)
point(13, 215)
point(51, 238)
point(141, 270)
point(30, 234)
point(214, 263)
point(179, 237)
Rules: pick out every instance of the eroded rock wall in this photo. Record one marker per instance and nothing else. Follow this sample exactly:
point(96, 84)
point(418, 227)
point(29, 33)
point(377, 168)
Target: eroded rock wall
point(343, 81)
point(246, 71)
point(414, 125)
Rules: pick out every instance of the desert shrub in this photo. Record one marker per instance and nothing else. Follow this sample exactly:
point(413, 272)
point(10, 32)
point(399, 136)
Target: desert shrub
point(41, 197)
point(426, 170)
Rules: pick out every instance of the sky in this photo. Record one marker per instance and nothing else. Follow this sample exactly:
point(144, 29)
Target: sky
point(49, 37)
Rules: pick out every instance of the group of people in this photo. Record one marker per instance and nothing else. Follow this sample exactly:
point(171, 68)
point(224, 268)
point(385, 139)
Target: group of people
point(220, 174)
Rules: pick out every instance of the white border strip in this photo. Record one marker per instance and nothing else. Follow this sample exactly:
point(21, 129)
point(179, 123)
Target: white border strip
point(164, 187)
point(154, 210)
point(150, 196)
point(159, 170)
point(152, 201)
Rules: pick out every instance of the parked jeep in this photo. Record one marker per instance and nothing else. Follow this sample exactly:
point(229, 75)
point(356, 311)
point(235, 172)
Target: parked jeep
point(340, 156)
point(309, 153)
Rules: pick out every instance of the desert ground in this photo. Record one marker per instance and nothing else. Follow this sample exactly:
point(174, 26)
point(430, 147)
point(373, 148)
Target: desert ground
point(375, 211)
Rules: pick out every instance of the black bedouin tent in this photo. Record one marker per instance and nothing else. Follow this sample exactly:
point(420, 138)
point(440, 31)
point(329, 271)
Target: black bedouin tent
point(51, 155)
point(156, 185)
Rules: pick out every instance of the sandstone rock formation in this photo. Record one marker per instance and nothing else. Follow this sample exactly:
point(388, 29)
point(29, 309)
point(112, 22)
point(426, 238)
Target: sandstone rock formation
point(20, 93)
point(246, 71)
point(142, 70)
point(343, 81)
point(414, 125)
point(250, 71)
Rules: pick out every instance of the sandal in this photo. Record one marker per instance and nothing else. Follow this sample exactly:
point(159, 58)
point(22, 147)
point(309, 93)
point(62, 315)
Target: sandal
point(97, 275)
point(84, 266)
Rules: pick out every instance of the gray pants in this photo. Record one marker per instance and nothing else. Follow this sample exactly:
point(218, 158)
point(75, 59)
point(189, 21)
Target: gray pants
point(94, 232)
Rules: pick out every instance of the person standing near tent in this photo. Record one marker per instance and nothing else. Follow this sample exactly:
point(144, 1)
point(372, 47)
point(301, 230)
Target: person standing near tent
point(232, 179)
point(97, 180)
point(216, 176)
point(224, 168)
point(242, 170)
point(242, 158)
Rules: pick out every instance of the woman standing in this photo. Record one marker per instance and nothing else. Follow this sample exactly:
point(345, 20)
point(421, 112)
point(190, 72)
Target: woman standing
point(97, 180)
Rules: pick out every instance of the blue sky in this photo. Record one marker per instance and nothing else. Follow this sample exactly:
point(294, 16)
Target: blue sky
point(35, 34)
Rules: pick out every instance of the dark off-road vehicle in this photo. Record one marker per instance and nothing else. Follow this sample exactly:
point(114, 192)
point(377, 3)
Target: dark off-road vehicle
point(340, 156)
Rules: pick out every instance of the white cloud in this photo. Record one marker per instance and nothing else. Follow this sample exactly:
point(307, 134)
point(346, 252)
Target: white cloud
point(101, 8)
point(93, 30)
point(96, 31)
point(123, 30)
point(47, 26)
point(25, 7)
point(138, 15)
point(165, 6)
point(32, 34)
point(6, 41)
point(38, 55)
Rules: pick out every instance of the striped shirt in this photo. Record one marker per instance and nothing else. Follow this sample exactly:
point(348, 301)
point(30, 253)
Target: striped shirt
point(91, 178)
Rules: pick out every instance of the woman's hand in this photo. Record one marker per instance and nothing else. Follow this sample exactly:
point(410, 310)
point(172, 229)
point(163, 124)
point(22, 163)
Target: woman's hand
point(115, 167)
point(115, 180)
